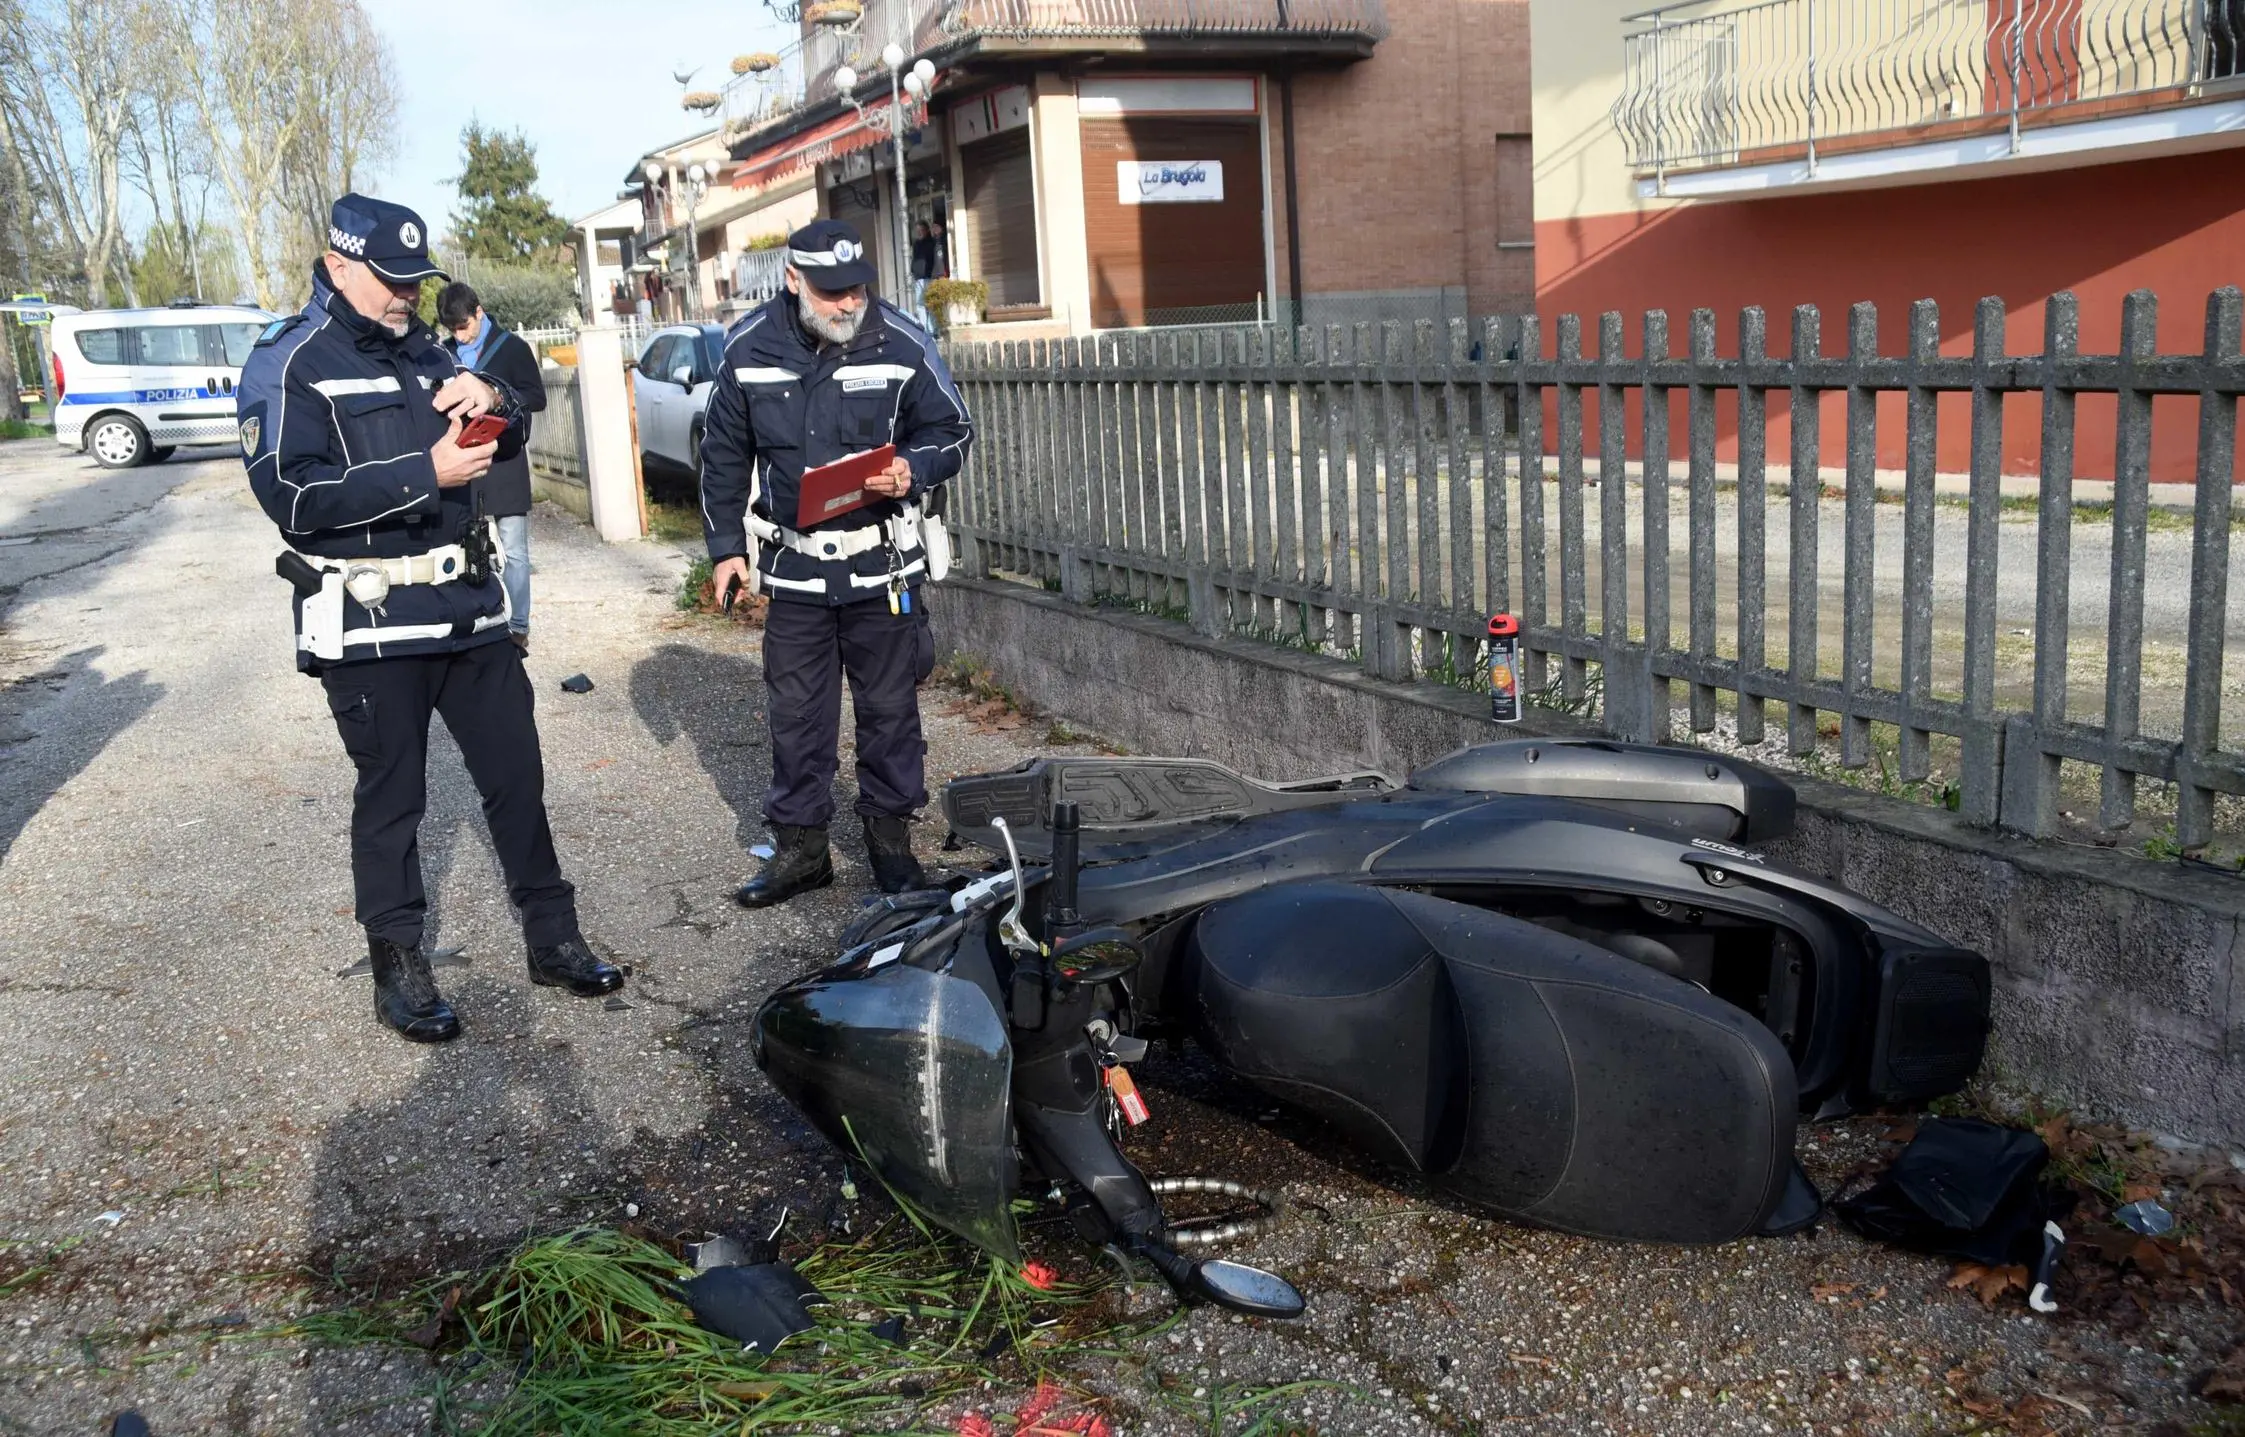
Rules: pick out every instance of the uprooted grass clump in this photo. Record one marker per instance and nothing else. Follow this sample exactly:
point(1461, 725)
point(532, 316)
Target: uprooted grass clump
point(586, 1331)
point(697, 594)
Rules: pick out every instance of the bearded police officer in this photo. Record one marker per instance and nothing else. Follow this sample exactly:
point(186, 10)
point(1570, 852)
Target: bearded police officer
point(351, 417)
point(823, 372)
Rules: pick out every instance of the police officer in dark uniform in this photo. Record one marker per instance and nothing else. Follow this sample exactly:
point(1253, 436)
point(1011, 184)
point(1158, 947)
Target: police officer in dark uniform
point(822, 372)
point(351, 417)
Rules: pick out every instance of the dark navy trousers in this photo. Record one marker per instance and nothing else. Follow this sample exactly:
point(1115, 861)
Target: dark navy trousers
point(382, 709)
point(808, 649)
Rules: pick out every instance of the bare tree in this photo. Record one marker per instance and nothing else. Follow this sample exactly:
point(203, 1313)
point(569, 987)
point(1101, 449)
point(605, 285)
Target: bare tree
point(69, 72)
point(168, 153)
point(244, 68)
point(350, 130)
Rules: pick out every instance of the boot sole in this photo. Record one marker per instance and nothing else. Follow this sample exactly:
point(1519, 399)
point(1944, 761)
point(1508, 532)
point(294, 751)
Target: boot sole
point(822, 881)
point(422, 1035)
point(582, 990)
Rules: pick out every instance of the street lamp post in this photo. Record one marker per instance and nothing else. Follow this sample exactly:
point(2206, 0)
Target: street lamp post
point(697, 183)
point(914, 81)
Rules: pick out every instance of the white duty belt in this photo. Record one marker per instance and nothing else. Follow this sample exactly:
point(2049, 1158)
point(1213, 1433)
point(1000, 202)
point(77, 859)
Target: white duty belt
point(441, 565)
point(369, 581)
point(901, 533)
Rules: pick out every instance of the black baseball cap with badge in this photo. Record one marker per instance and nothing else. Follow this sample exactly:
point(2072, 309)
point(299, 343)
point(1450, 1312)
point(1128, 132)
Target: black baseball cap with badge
point(830, 256)
point(389, 238)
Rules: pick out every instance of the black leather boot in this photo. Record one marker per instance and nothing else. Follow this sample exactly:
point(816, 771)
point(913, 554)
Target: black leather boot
point(406, 996)
point(888, 842)
point(799, 863)
point(576, 967)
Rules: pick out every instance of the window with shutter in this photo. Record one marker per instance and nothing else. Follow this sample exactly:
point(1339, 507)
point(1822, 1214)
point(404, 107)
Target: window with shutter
point(1001, 200)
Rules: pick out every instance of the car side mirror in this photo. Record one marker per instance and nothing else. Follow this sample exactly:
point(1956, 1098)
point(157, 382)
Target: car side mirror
point(683, 377)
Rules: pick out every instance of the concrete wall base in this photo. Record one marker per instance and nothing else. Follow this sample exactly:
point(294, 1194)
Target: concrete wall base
point(2116, 992)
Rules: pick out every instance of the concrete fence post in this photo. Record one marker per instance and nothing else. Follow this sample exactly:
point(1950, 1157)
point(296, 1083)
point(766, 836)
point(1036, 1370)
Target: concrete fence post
point(611, 470)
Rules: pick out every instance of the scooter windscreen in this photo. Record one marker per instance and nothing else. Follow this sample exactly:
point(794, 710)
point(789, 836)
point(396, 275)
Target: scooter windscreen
point(913, 1070)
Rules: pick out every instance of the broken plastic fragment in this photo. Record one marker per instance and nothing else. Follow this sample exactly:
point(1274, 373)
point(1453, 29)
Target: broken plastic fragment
point(757, 1306)
point(1038, 1276)
point(716, 1252)
point(576, 684)
point(113, 1217)
point(761, 850)
point(2146, 1216)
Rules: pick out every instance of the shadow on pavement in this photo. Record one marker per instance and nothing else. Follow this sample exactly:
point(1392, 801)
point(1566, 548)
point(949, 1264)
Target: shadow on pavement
point(716, 701)
point(77, 714)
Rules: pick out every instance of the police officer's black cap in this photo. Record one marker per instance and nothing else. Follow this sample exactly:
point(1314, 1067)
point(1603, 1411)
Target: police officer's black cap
point(390, 238)
point(830, 255)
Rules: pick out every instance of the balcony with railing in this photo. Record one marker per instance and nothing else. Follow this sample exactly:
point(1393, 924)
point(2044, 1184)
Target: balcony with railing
point(1800, 82)
point(950, 31)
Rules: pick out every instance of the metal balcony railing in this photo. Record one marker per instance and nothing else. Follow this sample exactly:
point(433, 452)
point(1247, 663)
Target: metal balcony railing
point(1706, 87)
point(806, 69)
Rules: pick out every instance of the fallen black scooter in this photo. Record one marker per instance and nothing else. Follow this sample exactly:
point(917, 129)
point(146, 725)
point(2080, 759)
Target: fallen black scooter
point(1546, 974)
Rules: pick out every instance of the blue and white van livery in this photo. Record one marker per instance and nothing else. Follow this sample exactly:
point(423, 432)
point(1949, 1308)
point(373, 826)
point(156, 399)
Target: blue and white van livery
point(133, 384)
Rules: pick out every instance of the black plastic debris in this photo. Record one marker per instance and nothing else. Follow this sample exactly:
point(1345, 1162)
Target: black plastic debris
point(1798, 1210)
point(576, 684)
point(718, 1251)
point(891, 1330)
point(1970, 1190)
point(758, 1307)
point(129, 1424)
point(616, 1005)
point(998, 1346)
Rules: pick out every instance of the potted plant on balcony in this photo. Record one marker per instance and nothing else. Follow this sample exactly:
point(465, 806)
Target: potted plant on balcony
point(704, 100)
point(959, 301)
point(755, 64)
point(834, 14)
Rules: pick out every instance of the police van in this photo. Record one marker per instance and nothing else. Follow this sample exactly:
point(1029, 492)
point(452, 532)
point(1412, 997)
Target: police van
point(131, 385)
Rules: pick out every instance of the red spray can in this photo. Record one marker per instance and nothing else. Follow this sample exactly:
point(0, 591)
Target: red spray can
point(1504, 669)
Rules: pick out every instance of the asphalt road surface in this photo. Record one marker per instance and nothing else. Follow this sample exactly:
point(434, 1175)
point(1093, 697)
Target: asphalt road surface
point(201, 1124)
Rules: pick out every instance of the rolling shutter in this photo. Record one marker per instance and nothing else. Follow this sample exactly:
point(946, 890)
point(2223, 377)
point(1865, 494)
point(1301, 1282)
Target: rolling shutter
point(1162, 262)
point(1001, 201)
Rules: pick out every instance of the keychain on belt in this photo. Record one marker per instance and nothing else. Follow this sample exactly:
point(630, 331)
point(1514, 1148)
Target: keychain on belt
point(900, 597)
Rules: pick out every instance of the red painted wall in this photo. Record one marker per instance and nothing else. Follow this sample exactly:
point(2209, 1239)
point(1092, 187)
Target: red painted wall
point(2175, 226)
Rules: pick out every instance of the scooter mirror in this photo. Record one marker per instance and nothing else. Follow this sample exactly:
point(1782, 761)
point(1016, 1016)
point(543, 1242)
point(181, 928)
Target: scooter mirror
point(1245, 1289)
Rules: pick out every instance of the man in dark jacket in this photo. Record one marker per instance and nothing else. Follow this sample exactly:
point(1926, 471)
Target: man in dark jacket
point(351, 417)
point(482, 346)
point(823, 372)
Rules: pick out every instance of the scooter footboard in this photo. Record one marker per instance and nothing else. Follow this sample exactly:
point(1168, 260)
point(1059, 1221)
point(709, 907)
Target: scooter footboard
point(1525, 1070)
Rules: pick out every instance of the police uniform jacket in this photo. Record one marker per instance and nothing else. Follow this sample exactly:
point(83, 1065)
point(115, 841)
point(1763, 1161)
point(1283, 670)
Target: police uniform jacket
point(336, 426)
point(781, 406)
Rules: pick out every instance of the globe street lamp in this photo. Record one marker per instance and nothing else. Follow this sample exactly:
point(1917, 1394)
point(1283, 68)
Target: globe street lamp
point(697, 183)
point(917, 81)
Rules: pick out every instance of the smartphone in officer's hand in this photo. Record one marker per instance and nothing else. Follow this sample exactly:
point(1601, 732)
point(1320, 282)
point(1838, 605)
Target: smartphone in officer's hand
point(483, 429)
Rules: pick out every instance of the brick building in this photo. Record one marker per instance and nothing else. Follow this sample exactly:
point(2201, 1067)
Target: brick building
point(1139, 162)
point(1729, 154)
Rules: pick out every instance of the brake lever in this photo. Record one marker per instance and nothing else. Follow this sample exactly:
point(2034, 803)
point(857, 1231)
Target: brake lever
point(1010, 929)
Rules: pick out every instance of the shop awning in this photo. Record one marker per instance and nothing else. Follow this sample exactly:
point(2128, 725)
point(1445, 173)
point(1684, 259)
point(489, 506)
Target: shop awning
point(830, 139)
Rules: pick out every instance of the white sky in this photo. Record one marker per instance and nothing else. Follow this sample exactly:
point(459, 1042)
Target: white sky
point(588, 81)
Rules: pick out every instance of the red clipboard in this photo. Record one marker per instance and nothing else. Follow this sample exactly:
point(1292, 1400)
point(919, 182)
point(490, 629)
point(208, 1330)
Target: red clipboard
point(837, 488)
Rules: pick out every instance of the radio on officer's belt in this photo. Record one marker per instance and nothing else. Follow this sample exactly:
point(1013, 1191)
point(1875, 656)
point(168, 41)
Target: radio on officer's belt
point(1504, 669)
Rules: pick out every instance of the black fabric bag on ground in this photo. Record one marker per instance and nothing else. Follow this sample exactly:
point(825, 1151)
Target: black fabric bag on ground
point(1966, 1189)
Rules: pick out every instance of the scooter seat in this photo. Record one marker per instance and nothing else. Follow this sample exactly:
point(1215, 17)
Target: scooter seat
point(1529, 1072)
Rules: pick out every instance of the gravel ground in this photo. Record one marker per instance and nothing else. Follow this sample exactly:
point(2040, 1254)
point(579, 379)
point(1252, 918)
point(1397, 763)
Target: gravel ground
point(202, 1128)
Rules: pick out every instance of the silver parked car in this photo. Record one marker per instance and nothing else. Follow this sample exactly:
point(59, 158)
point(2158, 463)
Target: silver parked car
point(670, 389)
